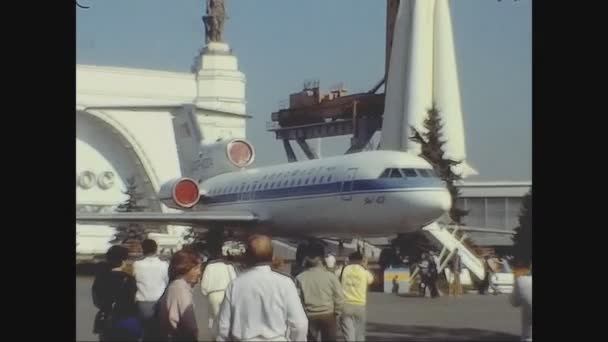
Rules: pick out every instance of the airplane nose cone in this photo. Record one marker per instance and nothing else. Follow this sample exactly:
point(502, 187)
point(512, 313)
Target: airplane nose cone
point(437, 204)
point(444, 202)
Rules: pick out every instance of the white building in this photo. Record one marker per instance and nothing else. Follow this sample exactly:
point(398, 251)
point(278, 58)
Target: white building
point(124, 129)
point(492, 205)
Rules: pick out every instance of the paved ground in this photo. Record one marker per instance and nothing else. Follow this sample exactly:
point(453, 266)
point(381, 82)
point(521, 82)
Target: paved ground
point(390, 318)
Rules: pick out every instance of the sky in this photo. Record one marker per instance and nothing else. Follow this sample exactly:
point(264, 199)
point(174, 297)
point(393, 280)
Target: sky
point(281, 43)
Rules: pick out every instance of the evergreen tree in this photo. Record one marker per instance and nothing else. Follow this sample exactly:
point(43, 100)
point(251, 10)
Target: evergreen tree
point(522, 240)
point(131, 231)
point(431, 143)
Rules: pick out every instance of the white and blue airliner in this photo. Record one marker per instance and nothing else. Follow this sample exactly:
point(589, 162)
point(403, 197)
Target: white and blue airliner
point(373, 193)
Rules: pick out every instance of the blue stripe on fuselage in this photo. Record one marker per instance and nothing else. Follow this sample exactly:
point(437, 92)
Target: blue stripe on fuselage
point(361, 185)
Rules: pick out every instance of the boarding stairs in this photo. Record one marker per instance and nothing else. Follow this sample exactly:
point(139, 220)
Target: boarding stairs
point(450, 243)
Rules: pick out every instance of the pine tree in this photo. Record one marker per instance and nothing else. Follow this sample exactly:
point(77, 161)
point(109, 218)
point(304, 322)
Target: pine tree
point(522, 240)
point(130, 233)
point(431, 144)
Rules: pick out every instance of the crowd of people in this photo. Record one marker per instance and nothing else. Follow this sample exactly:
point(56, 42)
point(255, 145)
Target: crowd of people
point(256, 302)
point(153, 300)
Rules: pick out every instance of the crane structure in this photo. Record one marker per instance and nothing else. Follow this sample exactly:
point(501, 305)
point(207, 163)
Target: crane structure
point(312, 115)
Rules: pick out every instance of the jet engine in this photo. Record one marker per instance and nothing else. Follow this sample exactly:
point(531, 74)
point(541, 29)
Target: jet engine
point(180, 193)
point(223, 156)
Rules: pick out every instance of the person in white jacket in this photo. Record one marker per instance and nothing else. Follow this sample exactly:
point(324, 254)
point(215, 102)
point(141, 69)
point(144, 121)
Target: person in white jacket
point(217, 275)
point(522, 297)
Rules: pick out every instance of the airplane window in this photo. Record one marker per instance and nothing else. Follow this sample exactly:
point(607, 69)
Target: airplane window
point(272, 184)
point(314, 179)
point(321, 180)
point(385, 173)
point(306, 181)
point(329, 178)
point(294, 173)
point(395, 173)
point(264, 177)
point(409, 172)
point(299, 181)
point(285, 183)
point(293, 181)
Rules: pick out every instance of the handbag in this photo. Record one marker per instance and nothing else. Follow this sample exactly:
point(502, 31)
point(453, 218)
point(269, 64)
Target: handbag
point(103, 318)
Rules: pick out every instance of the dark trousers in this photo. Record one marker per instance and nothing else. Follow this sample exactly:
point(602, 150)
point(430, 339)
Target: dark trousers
point(322, 327)
point(429, 282)
point(149, 324)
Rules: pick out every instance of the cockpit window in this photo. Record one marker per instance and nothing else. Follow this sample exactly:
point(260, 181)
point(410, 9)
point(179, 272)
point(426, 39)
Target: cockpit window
point(395, 173)
point(409, 172)
point(385, 173)
point(425, 173)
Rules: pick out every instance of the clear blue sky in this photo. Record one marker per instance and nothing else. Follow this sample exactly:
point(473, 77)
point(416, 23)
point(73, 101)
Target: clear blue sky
point(280, 43)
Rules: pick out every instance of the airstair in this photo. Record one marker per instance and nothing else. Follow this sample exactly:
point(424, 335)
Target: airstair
point(450, 243)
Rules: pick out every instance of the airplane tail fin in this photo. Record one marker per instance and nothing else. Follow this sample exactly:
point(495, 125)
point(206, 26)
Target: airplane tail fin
point(188, 139)
point(200, 159)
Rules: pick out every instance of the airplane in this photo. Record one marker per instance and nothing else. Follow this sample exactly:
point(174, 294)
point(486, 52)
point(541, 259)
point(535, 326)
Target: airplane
point(366, 194)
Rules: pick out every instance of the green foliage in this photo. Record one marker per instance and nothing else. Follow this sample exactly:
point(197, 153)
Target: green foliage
point(132, 231)
point(431, 144)
point(522, 240)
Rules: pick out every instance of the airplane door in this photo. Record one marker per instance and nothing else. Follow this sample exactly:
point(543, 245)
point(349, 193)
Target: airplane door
point(347, 184)
point(253, 190)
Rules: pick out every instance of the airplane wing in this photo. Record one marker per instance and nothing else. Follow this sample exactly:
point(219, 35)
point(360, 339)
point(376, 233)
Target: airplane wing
point(184, 219)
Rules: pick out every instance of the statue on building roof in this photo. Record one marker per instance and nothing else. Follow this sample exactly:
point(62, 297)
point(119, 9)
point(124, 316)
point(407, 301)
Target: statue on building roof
point(214, 20)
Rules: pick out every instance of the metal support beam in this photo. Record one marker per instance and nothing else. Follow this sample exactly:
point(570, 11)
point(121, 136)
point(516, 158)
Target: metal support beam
point(377, 86)
point(291, 156)
point(307, 150)
point(365, 129)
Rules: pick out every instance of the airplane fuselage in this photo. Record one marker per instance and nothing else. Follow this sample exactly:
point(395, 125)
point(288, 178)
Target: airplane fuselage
point(368, 194)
